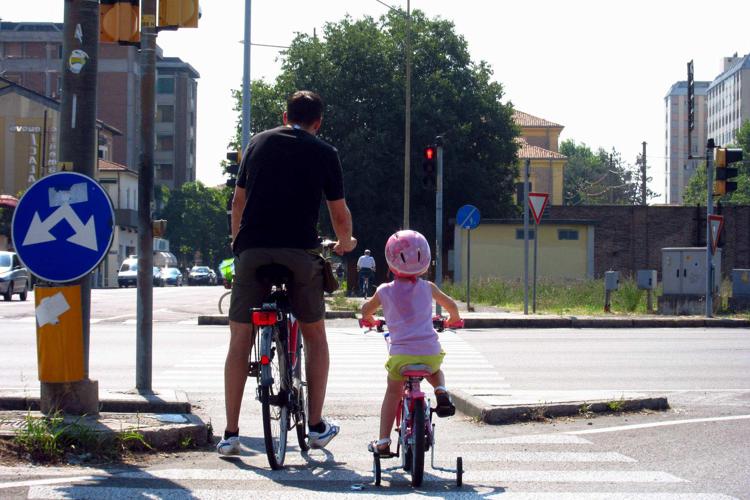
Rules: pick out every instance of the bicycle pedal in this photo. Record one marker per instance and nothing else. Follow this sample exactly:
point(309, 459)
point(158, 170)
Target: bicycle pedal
point(253, 369)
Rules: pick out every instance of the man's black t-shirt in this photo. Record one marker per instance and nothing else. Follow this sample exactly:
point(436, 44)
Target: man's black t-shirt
point(292, 169)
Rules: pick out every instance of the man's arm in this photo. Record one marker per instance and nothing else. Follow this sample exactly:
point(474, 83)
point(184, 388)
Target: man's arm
point(238, 205)
point(341, 218)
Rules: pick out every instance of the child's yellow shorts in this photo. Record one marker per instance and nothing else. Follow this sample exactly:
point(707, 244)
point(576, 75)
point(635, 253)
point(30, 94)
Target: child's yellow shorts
point(397, 361)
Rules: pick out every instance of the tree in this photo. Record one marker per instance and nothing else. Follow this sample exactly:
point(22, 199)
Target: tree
point(599, 178)
point(358, 69)
point(695, 192)
point(197, 221)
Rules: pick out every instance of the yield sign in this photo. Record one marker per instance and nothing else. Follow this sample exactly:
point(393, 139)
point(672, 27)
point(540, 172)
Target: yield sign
point(716, 223)
point(538, 202)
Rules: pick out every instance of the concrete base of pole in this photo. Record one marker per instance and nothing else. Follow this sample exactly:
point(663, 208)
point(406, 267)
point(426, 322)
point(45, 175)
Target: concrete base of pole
point(72, 398)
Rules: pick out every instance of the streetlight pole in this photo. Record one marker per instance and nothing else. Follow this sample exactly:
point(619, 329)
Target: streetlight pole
point(407, 119)
point(246, 92)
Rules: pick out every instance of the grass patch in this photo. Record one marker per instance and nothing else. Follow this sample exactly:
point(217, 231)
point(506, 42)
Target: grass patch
point(339, 302)
point(616, 406)
point(563, 297)
point(51, 439)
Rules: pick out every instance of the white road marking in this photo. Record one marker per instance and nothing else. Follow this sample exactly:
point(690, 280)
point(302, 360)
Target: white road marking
point(57, 480)
point(534, 439)
point(660, 424)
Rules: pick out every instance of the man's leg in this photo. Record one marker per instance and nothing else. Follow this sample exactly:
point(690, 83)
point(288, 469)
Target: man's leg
point(235, 371)
point(316, 366)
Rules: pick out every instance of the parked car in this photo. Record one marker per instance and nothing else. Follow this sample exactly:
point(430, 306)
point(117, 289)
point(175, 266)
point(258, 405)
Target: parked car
point(202, 275)
point(128, 274)
point(172, 276)
point(14, 278)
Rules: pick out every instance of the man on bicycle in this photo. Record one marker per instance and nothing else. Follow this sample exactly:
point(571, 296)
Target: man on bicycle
point(366, 271)
point(283, 174)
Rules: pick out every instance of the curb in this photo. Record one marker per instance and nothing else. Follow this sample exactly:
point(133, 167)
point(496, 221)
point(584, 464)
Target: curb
point(554, 322)
point(501, 415)
point(17, 403)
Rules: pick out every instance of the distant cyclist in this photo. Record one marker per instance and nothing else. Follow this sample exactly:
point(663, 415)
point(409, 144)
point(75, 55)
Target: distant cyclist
point(284, 173)
point(365, 270)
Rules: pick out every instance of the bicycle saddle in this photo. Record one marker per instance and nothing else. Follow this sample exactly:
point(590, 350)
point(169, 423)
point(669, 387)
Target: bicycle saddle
point(416, 370)
point(274, 274)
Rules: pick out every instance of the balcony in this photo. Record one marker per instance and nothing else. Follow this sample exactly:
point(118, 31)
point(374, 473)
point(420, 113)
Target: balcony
point(126, 217)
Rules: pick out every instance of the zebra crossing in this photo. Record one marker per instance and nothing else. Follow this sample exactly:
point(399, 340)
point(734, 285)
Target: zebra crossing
point(357, 361)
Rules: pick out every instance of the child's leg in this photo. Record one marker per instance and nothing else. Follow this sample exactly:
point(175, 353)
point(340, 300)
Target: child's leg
point(436, 380)
point(444, 406)
point(389, 407)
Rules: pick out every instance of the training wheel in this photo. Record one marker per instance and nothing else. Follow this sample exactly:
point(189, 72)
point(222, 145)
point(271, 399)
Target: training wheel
point(376, 468)
point(459, 472)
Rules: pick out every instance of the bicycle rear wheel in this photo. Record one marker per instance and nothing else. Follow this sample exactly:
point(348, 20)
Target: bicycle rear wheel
point(417, 443)
point(274, 391)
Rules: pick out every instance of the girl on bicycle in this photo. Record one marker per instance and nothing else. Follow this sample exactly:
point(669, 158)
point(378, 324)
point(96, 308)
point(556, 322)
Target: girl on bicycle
point(407, 307)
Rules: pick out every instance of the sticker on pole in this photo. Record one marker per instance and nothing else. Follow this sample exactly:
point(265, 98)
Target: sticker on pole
point(537, 203)
point(716, 223)
point(62, 227)
point(468, 217)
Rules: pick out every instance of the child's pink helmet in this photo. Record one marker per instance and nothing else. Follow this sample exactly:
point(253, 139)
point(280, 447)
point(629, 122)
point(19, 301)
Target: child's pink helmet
point(407, 253)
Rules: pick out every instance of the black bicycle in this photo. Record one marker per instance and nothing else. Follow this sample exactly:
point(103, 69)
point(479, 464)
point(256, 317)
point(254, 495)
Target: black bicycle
point(278, 364)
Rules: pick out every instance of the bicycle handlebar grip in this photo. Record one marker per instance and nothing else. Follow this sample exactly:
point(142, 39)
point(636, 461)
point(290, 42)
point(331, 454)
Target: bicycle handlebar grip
point(455, 324)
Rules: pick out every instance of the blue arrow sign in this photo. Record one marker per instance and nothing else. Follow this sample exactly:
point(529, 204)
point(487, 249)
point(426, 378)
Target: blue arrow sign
point(468, 217)
point(62, 227)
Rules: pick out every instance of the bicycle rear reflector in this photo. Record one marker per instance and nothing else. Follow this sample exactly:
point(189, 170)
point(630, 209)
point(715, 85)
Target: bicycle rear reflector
point(265, 360)
point(264, 318)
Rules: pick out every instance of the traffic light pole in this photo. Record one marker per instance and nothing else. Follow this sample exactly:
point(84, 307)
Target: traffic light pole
point(526, 175)
point(145, 292)
point(709, 211)
point(407, 120)
point(439, 219)
point(246, 90)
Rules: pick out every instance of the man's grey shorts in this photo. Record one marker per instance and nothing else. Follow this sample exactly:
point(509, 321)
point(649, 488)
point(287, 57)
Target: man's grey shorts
point(305, 291)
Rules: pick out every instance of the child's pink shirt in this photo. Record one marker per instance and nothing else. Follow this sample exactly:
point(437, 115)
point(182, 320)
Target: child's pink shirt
point(407, 306)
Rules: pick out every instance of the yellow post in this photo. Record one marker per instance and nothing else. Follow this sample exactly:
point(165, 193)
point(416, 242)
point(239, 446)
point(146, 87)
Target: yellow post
point(59, 337)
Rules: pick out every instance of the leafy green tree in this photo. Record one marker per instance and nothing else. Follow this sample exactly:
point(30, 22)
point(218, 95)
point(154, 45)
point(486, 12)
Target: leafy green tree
point(197, 221)
point(600, 178)
point(358, 67)
point(695, 192)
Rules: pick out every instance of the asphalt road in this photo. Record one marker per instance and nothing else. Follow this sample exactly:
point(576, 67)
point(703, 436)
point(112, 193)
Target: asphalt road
point(698, 449)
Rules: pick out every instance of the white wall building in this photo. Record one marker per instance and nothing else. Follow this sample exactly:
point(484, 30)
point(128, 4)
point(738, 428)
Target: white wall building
point(678, 168)
point(729, 100)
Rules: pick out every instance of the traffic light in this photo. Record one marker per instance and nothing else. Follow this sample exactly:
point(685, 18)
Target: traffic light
point(234, 158)
point(179, 13)
point(119, 22)
point(429, 165)
point(722, 158)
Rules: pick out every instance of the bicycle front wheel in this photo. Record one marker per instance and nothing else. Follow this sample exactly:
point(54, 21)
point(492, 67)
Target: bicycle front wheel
point(274, 390)
point(418, 433)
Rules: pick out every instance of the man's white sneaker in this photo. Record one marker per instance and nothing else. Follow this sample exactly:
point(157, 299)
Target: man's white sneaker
point(321, 439)
point(229, 447)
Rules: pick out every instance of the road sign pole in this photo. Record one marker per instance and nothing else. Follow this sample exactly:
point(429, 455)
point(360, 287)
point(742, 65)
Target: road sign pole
point(536, 246)
point(439, 219)
point(468, 270)
point(145, 291)
point(78, 146)
point(526, 175)
point(709, 211)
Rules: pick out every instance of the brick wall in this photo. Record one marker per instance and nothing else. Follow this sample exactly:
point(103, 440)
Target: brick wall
point(629, 238)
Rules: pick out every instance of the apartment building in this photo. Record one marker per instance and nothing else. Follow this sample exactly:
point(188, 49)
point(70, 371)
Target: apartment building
point(729, 100)
point(678, 165)
point(31, 53)
point(538, 143)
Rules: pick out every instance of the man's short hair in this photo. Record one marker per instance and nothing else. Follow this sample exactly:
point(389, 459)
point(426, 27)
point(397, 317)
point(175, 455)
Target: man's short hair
point(367, 252)
point(304, 107)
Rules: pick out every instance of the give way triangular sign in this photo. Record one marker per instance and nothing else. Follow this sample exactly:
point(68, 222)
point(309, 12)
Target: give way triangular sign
point(716, 222)
point(538, 202)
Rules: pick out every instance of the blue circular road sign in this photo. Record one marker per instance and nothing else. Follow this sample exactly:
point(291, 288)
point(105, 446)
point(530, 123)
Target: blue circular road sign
point(62, 227)
point(468, 217)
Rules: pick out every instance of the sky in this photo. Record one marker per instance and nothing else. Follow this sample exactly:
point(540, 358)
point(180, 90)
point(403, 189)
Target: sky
point(599, 68)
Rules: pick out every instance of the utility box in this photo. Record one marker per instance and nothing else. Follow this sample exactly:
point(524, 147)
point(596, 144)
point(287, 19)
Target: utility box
point(646, 279)
point(611, 280)
point(683, 270)
point(740, 282)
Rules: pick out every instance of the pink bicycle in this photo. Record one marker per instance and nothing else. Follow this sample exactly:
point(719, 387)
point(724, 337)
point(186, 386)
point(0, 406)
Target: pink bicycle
point(416, 432)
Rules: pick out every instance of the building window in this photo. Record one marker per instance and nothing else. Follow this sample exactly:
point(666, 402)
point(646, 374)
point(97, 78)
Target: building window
point(567, 234)
point(165, 86)
point(165, 143)
point(519, 234)
point(13, 49)
point(164, 172)
point(164, 113)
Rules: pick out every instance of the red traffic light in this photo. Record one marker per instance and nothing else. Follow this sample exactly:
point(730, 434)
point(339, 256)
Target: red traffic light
point(430, 153)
